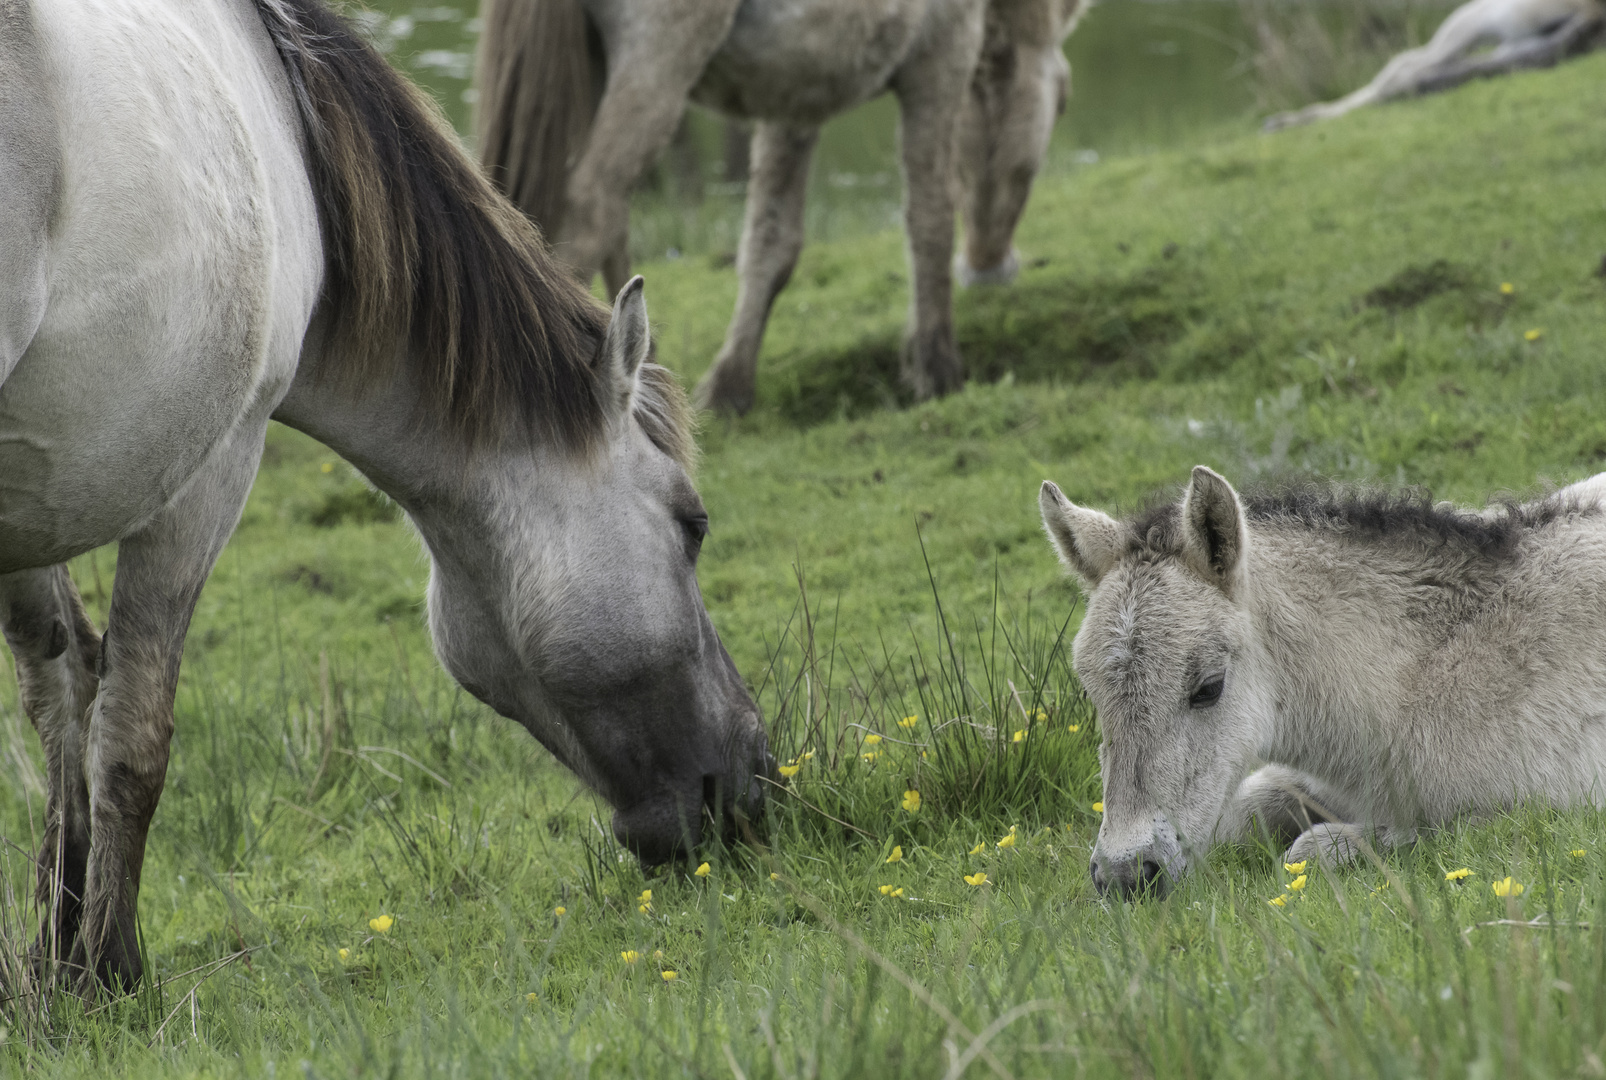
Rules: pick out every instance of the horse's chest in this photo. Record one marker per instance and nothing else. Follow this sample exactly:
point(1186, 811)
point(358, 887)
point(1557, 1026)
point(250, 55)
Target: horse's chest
point(807, 60)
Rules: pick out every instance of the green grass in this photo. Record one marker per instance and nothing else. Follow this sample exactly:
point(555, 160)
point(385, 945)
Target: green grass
point(1327, 300)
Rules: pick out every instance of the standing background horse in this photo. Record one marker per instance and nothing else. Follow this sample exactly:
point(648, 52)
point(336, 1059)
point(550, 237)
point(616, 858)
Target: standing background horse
point(1339, 668)
point(579, 96)
point(214, 213)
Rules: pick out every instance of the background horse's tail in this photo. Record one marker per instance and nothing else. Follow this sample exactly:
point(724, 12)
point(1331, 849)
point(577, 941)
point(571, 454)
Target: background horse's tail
point(539, 73)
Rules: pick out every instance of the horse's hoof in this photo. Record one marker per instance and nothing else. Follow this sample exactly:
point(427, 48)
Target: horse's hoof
point(722, 395)
point(1003, 273)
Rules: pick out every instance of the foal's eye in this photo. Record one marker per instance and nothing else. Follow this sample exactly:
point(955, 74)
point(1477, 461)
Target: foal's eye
point(696, 530)
point(1208, 693)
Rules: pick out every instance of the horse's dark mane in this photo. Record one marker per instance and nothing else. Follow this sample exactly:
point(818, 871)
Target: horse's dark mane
point(1408, 516)
point(423, 251)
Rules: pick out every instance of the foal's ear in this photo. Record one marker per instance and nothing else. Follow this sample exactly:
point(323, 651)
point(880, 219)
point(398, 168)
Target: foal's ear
point(626, 344)
point(1088, 542)
point(1215, 532)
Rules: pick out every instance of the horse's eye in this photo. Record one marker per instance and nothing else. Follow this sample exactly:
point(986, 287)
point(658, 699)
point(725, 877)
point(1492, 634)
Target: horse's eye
point(696, 530)
point(1208, 693)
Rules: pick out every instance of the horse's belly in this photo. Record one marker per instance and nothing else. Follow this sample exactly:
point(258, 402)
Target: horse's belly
point(180, 278)
point(807, 60)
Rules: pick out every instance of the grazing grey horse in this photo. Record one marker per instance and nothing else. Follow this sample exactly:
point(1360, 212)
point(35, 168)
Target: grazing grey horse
point(216, 213)
point(1334, 668)
point(1524, 33)
point(579, 96)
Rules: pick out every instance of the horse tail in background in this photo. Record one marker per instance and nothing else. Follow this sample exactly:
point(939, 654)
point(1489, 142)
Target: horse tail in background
point(539, 72)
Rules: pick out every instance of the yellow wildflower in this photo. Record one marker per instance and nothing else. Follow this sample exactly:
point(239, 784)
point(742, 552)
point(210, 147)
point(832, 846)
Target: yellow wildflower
point(344, 954)
point(1507, 887)
point(911, 801)
point(630, 956)
point(670, 976)
point(1009, 840)
point(560, 912)
point(775, 877)
point(805, 756)
point(886, 890)
point(1278, 901)
point(977, 878)
point(382, 924)
point(896, 894)
point(871, 739)
point(644, 908)
point(645, 897)
point(1039, 714)
point(1019, 736)
point(529, 998)
point(1578, 853)
point(1458, 875)
point(870, 757)
point(1297, 884)
point(1532, 335)
point(1296, 867)
point(1098, 808)
point(658, 954)
point(703, 871)
point(897, 853)
point(789, 771)
point(908, 722)
point(1074, 728)
point(1507, 288)
point(979, 848)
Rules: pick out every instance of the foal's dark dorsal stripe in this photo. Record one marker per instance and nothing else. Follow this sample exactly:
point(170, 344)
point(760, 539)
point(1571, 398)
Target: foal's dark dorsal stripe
point(422, 249)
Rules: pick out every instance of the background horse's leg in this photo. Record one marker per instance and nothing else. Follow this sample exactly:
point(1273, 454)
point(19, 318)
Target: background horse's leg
point(160, 571)
point(655, 57)
point(931, 88)
point(772, 237)
point(56, 650)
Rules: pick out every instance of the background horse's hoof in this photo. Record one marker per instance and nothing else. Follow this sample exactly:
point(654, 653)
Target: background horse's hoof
point(719, 391)
point(1003, 273)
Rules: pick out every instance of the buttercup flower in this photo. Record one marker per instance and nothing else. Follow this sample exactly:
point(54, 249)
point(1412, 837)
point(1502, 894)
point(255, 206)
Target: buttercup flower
point(382, 924)
point(1008, 841)
point(644, 901)
point(979, 848)
point(658, 954)
point(871, 756)
point(1578, 853)
point(560, 912)
point(1019, 736)
point(1507, 887)
point(871, 739)
point(1507, 288)
point(893, 891)
point(977, 878)
point(775, 877)
point(789, 771)
point(908, 722)
point(703, 871)
point(1074, 728)
point(1297, 884)
point(911, 801)
point(897, 853)
point(529, 998)
point(1296, 867)
point(344, 954)
point(1458, 875)
point(805, 756)
point(670, 976)
point(630, 956)
point(1039, 714)
point(1098, 808)
point(1532, 335)
point(1278, 901)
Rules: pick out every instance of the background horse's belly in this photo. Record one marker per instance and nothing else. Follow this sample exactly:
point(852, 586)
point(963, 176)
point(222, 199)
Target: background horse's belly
point(807, 61)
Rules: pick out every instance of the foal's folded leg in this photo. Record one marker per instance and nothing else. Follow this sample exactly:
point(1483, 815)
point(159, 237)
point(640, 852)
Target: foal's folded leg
point(56, 649)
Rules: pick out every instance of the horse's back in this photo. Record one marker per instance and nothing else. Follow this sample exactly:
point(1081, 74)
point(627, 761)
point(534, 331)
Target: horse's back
point(184, 262)
point(29, 173)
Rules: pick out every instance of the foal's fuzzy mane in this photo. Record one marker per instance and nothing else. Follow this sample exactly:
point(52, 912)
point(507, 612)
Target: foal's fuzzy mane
point(1407, 517)
point(423, 251)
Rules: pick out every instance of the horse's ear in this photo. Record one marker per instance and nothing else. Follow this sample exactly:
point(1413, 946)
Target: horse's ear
point(626, 344)
point(1088, 542)
point(1215, 532)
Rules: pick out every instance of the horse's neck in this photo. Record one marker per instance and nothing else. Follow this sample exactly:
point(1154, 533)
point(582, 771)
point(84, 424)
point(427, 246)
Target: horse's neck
point(1337, 645)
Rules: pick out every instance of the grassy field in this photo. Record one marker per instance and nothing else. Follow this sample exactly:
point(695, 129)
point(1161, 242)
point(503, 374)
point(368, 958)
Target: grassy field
point(1330, 300)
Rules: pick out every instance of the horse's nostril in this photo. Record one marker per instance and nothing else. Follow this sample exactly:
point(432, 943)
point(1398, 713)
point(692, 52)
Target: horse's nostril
point(1151, 873)
point(1098, 878)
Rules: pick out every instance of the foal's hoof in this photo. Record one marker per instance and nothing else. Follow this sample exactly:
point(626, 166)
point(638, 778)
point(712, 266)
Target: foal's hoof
point(1330, 845)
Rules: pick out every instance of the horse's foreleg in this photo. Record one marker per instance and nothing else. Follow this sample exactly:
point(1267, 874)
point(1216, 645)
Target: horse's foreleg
point(931, 89)
point(1281, 803)
point(772, 237)
point(56, 650)
point(160, 571)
